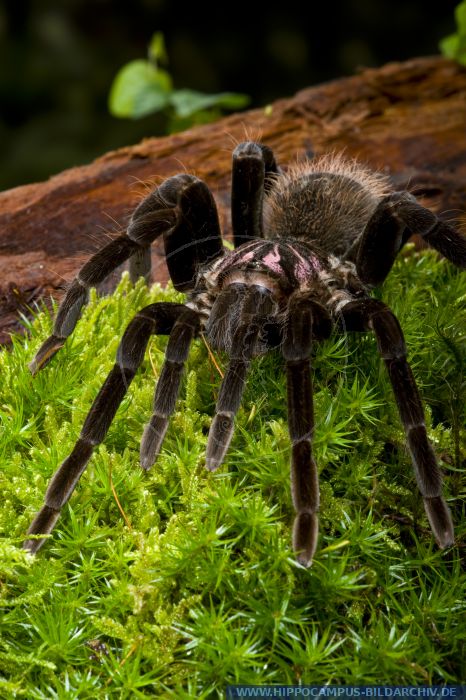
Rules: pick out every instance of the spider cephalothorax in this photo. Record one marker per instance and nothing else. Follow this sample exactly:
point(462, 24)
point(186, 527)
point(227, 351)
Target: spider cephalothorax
point(309, 245)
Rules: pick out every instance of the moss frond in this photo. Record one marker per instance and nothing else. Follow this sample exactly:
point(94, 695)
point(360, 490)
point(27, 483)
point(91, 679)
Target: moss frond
point(197, 587)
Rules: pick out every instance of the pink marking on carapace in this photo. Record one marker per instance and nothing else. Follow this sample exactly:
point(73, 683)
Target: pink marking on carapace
point(237, 256)
point(244, 258)
point(272, 260)
point(305, 267)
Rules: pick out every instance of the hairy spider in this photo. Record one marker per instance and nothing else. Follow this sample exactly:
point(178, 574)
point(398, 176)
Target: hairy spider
point(309, 243)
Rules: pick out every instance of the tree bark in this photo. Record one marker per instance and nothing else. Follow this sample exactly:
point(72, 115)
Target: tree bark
point(406, 119)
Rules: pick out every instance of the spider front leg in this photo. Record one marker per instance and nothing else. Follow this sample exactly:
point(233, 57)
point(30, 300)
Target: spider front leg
point(370, 314)
point(307, 320)
point(253, 169)
point(160, 319)
point(395, 219)
point(183, 210)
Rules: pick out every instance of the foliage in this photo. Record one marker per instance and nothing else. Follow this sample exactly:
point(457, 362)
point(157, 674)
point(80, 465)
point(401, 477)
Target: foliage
point(454, 45)
point(202, 589)
point(142, 87)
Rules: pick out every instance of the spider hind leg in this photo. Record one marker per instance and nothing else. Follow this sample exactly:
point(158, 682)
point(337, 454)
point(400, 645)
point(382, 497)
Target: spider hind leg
point(396, 218)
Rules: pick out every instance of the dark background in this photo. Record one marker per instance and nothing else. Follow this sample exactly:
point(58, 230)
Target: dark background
point(58, 59)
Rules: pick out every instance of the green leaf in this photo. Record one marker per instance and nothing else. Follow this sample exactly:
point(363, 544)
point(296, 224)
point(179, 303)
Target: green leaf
point(139, 89)
point(449, 45)
point(187, 102)
point(157, 50)
point(461, 51)
point(460, 16)
point(454, 45)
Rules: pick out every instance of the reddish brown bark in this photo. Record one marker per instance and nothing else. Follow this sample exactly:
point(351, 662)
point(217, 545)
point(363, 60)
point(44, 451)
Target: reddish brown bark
point(407, 119)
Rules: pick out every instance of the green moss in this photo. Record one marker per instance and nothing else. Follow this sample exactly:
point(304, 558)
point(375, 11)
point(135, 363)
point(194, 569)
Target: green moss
point(203, 590)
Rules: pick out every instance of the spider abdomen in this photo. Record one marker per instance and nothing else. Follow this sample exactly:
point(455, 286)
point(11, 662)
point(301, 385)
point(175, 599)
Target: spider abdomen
point(326, 202)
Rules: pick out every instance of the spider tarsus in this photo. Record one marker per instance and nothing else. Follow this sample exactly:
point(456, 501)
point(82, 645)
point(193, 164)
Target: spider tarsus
point(305, 535)
point(152, 440)
point(440, 521)
point(45, 353)
point(220, 434)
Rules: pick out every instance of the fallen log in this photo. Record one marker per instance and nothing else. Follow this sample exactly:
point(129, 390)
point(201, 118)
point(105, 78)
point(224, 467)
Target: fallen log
point(406, 119)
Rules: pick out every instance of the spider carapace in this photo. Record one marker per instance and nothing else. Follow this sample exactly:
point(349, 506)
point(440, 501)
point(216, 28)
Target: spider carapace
point(309, 244)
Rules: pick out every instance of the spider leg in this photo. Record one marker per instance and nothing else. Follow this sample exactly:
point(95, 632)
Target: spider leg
point(307, 320)
point(371, 314)
point(257, 305)
point(166, 392)
point(153, 319)
point(252, 173)
point(395, 219)
point(182, 209)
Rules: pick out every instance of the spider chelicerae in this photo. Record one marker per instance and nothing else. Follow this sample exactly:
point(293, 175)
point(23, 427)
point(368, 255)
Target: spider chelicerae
point(309, 244)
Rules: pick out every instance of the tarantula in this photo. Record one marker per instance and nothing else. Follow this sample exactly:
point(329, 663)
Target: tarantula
point(309, 244)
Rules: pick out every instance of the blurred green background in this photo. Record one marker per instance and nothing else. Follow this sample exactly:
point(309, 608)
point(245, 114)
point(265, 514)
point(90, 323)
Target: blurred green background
point(58, 60)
